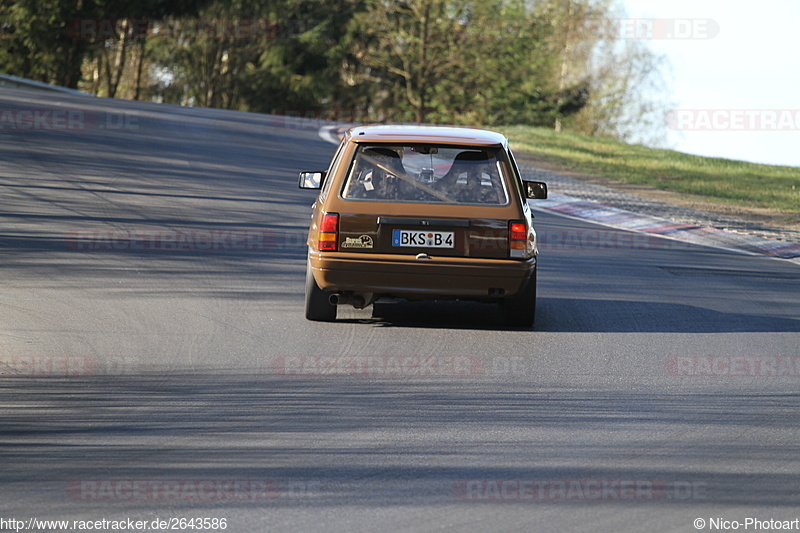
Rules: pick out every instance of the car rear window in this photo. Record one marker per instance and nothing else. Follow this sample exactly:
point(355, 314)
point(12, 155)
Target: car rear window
point(426, 174)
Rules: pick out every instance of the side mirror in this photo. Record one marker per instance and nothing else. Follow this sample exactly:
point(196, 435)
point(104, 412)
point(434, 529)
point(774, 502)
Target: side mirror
point(535, 189)
point(311, 180)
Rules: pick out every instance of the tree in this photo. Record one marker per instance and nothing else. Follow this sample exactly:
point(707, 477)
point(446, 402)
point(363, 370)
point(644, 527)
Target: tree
point(303, 68)
point(627, 95)
point(121, 39)
point(477, 62)
point(414, 46)
point(554, 63)
point(37, 42)
point(511, 65)
point(51, 40)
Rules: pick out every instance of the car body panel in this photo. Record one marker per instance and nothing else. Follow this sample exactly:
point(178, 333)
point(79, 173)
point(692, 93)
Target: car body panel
point(427, 134)
point(406, 276)
point(466, 246)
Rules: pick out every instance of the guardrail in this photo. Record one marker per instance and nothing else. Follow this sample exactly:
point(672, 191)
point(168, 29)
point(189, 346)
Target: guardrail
point(6, 80)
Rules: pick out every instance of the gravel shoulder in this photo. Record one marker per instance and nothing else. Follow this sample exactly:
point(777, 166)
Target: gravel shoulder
point(760, 222)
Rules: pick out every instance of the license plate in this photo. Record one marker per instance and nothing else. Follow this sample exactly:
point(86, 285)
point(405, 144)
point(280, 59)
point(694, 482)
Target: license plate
point(422, 239)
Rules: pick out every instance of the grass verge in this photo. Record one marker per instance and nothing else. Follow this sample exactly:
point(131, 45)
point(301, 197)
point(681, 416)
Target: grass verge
point(714, 179)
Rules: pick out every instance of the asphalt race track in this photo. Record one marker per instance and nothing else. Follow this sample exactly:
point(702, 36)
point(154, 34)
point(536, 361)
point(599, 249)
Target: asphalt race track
point(155, 362)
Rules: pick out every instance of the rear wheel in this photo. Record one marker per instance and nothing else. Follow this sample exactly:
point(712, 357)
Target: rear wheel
point(519, 311)
point(318, 307)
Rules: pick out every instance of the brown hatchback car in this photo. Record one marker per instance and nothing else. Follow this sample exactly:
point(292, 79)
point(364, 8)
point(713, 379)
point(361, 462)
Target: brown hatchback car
point(422, 213)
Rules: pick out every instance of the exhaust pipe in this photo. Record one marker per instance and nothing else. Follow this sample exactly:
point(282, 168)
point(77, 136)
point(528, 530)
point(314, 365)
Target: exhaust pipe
point(356, 301)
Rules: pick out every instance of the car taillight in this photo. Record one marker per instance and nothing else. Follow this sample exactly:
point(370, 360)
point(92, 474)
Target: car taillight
point(518, 231)
point(518, 245)
point(329, 232)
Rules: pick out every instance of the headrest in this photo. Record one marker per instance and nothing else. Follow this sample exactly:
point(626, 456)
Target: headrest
point(381, 152)
point(471, 156)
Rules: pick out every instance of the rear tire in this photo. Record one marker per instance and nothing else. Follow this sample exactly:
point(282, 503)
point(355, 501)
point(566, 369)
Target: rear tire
point(318, 308)
point(519, 311)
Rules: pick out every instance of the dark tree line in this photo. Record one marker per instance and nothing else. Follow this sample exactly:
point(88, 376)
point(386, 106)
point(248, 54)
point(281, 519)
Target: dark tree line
point(482, 62)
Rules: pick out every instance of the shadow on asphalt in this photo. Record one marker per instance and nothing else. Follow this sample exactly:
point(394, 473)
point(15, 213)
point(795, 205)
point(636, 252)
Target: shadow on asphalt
point(579, 315)
point(298, 432)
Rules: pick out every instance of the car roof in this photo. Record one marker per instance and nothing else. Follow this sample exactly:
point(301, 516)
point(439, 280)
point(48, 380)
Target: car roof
point(426, 134)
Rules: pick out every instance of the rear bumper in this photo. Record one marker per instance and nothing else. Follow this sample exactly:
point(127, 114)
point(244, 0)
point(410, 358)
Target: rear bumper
point(406, 276)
